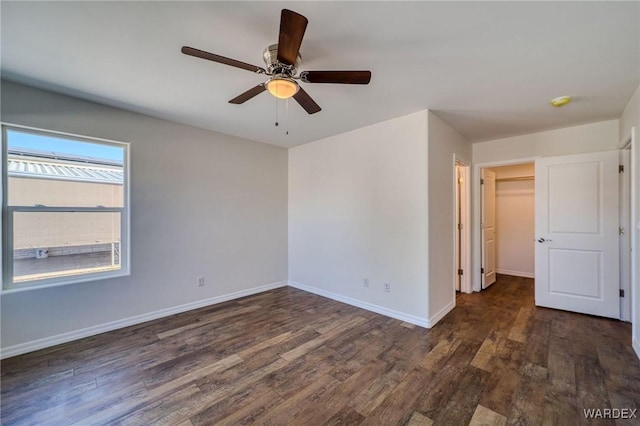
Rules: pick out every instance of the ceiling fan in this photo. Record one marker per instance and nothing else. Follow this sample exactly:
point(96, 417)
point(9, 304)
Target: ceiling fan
point(282, 62)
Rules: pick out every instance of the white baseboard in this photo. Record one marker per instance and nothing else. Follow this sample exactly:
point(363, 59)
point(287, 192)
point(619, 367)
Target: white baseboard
point(516, 273)
point(433, 320)
point(636, 347)
point(412, 319)
point(46, 342)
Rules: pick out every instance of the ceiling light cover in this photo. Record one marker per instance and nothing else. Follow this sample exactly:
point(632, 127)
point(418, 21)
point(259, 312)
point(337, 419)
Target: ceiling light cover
point(560, 101)
point(282, 87)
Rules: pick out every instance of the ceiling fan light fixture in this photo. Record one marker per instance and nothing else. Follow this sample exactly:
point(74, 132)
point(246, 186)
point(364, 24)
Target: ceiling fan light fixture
point(282, 87)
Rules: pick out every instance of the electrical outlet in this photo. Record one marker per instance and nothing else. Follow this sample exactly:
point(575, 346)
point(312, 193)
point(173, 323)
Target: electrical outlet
point(366, 282)
point(387, 287)
point(200, 281)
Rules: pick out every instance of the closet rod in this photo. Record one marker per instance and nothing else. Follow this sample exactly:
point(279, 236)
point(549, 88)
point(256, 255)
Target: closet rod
point(515, 178)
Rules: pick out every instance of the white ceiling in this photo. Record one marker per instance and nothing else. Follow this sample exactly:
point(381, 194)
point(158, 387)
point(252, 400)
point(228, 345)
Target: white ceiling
point(487, 68)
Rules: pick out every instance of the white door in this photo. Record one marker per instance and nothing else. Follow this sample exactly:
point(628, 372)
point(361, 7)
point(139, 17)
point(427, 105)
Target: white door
point(577, 233)
point(488, 227)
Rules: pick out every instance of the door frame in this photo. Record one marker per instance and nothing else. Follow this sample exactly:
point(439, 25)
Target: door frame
point(477, 234)
point(632, 144)
point(465, 219)
point(626, 255)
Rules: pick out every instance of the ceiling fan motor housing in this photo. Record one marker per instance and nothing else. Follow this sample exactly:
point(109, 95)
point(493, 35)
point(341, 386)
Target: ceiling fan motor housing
point(270, 56)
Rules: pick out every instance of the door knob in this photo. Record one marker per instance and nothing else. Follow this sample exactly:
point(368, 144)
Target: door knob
point(542, 240)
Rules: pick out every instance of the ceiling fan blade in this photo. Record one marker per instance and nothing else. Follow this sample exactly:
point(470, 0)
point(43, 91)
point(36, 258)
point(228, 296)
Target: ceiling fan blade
point(306, 102)
point(221, 59)
point(292, 27)
point(339, 77)
point(254, 91)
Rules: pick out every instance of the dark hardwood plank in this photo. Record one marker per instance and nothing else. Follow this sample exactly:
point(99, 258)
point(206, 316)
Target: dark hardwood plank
point(396, 407)
point(435, 397)
point(462, 404)
point(290, 411)
point(501, 386)
point(249, 414)
point(346, 416)
point(342, 396)
point(527, 405)
point(245, 400)
point(537, 345)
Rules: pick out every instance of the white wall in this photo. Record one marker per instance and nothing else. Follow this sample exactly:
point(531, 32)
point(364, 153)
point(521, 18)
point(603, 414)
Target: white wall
point(515, 220)
point(593, 137)
point(358, 208)
point(444, 142)
point(202, 204)
point(631, 118)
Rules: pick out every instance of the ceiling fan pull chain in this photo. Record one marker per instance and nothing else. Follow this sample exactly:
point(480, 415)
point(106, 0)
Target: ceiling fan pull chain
point(287, 115)
point(276, 111)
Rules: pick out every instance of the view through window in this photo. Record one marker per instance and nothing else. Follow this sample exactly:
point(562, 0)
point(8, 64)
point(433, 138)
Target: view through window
point(65, 209)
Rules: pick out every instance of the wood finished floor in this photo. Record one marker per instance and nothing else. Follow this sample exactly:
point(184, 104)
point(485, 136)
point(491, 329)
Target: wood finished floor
point(290, 357)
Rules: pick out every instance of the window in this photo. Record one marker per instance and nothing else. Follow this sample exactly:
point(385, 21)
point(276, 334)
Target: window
point(65, 209)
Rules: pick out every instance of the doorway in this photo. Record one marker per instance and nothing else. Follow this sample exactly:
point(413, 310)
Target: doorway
point(516, 180)
point(507, 221)
point(626, 230)
point(462, 228)
point(576, 232)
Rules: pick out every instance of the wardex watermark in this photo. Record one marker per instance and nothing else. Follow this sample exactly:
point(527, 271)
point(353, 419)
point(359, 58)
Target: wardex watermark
point(610, 413)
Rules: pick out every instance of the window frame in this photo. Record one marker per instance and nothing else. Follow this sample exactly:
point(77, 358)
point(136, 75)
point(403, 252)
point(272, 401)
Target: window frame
point(8, 286)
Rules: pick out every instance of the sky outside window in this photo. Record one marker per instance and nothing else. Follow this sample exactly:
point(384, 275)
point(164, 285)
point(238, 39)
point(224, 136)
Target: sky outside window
point(16, 139)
